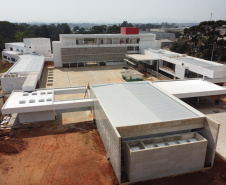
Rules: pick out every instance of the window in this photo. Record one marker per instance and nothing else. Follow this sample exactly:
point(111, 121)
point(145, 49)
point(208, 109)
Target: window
point(11, 49)
point(13, 59)
point(5, 57)
point(22, 50)
point(137, 48)
point(30, 47)
point(138, 40)
point(17, 50)
point(130, 48)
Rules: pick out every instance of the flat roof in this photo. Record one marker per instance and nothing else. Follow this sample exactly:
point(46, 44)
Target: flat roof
point(106, 35)
point(19, 99)
point(140, 57)
point(198, 62)
point(190, 88)
point(28, 63)
point(179, 58)
point(21, 44)
point(136, 103)
point(12, 52)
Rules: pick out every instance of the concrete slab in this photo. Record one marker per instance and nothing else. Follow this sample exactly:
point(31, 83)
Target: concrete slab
point(221, 143)
point(68, 77)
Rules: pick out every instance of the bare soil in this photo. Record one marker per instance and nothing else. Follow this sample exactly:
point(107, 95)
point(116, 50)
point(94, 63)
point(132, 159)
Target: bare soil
point(76, 156)
point(4, 66)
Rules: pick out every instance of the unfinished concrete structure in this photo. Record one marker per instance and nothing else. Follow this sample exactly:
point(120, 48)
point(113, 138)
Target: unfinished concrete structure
point(25, 74)
point(179, 66)
point(28, 58)
point(75, 50)
point(148, 137)
point(40, 105)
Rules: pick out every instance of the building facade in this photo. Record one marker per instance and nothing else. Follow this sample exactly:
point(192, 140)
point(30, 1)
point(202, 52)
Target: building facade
point(75, 50)
point(180, 66)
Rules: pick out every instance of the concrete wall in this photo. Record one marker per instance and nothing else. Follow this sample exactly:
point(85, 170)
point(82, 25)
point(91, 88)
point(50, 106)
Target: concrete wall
point(151, 163)
point(71, 55)
point(149, 43)
point(15, 47)
point(180, 71)
point(12, 83)
point(109, 136)
point(162, 127)
point(9, 57)
point(57, 58)
point(115, 63)
point(211, 131)
point(38, 45)
point(36, 116)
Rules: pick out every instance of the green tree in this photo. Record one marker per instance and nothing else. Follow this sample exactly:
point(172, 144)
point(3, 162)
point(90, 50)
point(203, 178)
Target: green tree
point(180, 46)
point(126, 24)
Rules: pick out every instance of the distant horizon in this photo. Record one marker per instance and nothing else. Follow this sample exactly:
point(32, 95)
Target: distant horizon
point(117, 11)
point(99, 23)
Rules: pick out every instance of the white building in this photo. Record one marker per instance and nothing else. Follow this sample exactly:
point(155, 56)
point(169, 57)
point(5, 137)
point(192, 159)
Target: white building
point(180, 66)
point(39, 46)
point(28, 58)
point(77, 49)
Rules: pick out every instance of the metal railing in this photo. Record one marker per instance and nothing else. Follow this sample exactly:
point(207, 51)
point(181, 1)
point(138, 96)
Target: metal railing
point(157, 75)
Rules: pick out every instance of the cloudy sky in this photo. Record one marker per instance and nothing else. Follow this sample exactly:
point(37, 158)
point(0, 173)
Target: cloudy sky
point(114, 11)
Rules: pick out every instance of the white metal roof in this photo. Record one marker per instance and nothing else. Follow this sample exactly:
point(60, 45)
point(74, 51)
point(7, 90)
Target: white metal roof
point(28, 63)
point(140, 57)
point(137, 103)
point(190, 88)
point(21, 44)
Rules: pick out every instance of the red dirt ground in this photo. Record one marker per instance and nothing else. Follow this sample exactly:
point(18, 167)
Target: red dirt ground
point(57, 155)
point(78, 157)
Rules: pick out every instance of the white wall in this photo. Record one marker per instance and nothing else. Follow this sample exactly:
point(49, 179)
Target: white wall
point(57, 58)
point(10, 84)
point(149, 43)
point(15, 47)
point(9, 57)
point(180, 71)
point(38, 45)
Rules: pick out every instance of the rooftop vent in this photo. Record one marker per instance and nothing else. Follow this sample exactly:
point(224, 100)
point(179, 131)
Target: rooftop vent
point(50, 92)
point(42, 100)
point(34, 93)
point(32, 101)
point(43, 93)
point(22, 101)
point(49, 99)
point(25, 94)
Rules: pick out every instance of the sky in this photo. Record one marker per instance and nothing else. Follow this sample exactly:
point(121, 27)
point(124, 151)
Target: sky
point(114, 11)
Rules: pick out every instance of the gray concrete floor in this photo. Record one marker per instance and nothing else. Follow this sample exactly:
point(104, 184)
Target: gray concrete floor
point(218, 113)
point(81, 76)
point(221, 143)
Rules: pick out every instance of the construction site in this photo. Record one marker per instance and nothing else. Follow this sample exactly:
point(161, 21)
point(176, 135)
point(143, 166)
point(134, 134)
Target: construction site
point(69, 150)
point(135, 115)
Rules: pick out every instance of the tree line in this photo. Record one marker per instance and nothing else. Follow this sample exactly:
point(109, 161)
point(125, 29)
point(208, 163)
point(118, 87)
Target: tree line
point(15, 32)
point(204, 41)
